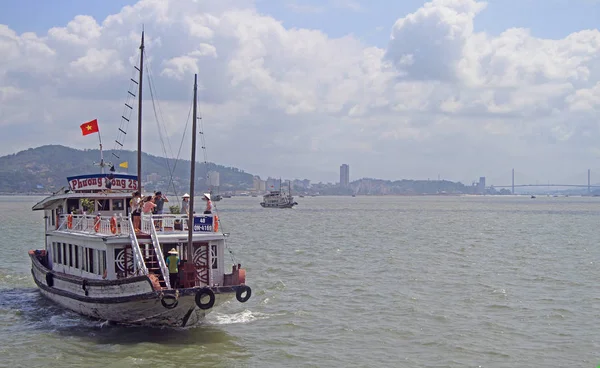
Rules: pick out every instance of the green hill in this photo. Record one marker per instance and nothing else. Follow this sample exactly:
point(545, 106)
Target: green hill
point(45, 169)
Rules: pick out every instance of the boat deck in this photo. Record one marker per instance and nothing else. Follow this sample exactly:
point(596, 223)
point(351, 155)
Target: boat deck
point(121, 226)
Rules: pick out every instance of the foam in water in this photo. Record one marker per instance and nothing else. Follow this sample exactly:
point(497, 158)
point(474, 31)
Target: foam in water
point(241, 317)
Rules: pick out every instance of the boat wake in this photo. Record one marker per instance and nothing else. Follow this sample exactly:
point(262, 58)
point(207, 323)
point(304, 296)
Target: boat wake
point(245, 316)
point(28, 305)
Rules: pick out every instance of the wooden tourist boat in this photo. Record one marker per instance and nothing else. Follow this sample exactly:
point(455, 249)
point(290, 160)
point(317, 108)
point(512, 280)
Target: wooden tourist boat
point(97, 264)
point(278, 198)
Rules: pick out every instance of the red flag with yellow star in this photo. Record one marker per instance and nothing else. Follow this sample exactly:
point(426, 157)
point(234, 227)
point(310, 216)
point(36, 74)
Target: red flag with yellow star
point(90, 127)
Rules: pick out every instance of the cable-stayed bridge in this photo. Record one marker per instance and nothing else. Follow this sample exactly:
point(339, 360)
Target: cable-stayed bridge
point(514, 184)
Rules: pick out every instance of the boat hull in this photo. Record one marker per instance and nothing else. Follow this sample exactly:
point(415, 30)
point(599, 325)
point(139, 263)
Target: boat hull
point(278, 205)
point(131, 301)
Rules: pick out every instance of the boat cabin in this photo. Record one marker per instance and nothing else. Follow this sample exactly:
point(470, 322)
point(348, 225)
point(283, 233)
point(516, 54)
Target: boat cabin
point(90, 234)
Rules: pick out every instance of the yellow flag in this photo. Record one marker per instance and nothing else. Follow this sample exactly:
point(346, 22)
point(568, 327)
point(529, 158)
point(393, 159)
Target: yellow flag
point(124, 165)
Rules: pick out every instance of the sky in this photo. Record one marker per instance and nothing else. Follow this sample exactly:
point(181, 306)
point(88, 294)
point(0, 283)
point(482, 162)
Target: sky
point(450, 89)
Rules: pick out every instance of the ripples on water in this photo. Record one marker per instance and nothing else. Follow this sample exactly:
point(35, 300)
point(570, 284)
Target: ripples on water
point(341, 281)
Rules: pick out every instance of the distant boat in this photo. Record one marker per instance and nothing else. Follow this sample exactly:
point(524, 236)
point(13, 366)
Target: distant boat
point(278, 199)
point(215, 197)
point(532, 196)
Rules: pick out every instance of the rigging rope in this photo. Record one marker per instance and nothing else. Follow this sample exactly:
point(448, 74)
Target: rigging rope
point(130, 102)
point(153, 92)
point(157, 110)
point(205, 154)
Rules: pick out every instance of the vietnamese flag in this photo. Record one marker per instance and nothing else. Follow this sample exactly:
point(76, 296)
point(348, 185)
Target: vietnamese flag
point(90, 127)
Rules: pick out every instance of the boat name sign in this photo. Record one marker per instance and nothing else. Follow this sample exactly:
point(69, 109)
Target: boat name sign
point(203, 224)
point(98, 181)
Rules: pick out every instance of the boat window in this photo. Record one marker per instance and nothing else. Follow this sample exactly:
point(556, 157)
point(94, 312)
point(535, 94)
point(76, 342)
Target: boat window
point(96, 258)
point(118, 204)
point(70, 255)
point(59, 253)
point(213, 251)
point(91, 260)
point(53, 252)
point(102, 204)
point(181, 249)
point(101, 262)
point(84, 259)
point(76, 256)
point(73, 205)
point(65, 254)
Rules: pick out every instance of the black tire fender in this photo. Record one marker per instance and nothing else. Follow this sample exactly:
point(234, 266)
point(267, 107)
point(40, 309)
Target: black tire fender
point(241, 290)
point(202, 292)
point(169, 301)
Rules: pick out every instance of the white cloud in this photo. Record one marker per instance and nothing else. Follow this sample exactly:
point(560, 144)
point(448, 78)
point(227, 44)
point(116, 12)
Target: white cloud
point(585, 99)
point(82, 30)
point(98, 61)
point(440, 98)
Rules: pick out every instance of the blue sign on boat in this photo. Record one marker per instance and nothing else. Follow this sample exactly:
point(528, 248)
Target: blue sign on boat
point(203, 223)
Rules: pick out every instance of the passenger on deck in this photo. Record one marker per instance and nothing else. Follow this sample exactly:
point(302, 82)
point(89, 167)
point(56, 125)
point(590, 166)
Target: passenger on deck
point(159, 200)
point(135, 205)
point(208, 208)
point(148, 206)
point(173, 265)
point(185, 204)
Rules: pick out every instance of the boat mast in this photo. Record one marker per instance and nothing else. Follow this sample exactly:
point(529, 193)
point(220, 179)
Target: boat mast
point(139, 145)
point(192, 173)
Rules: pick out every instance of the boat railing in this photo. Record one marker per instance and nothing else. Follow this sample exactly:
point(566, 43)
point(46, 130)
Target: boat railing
point(95, 224)
point(117, 225)
point(177, 222)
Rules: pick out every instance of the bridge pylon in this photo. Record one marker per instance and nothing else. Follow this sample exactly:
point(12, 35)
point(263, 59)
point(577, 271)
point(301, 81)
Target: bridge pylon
point(513, 181)
point(589, 181)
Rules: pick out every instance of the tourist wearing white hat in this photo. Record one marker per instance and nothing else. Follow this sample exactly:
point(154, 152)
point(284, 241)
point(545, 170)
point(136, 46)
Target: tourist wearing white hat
point(173, 265)
point(185, 204)
point(206, 197)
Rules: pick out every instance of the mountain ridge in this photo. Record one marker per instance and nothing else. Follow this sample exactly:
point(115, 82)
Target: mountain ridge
point(46, 168)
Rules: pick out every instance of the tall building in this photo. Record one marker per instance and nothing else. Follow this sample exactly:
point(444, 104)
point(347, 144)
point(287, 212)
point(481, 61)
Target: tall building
point(213, 179)
point(344, 176)
point(481, 185)
point(258, 184)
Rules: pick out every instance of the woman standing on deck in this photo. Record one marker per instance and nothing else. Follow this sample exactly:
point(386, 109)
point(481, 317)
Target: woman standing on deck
point(148, 205)
point(135, 205)
point(185, 204)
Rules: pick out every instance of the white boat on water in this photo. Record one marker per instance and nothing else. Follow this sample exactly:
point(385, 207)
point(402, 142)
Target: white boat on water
point(98, 265)
point(278, 199)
